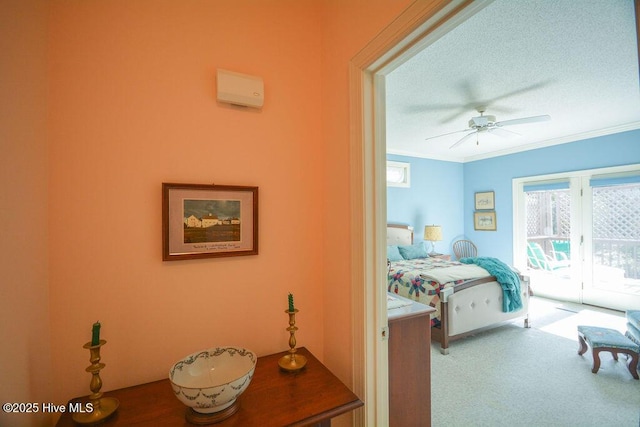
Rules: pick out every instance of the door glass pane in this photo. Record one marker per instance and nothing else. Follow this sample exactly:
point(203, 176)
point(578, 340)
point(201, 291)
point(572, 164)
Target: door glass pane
point(616, 238)
point(548, 215)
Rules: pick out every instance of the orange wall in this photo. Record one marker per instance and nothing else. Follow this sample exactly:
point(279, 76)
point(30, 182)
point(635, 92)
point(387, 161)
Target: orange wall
point(25, 358)
point(349, 26)
point(131, 104)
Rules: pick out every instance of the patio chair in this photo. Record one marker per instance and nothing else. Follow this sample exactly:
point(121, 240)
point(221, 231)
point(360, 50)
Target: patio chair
point(538, 259)
point(561, 249)
point(464, 249)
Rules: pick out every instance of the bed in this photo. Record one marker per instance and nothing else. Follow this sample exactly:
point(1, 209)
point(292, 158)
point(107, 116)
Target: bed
point(466, 297)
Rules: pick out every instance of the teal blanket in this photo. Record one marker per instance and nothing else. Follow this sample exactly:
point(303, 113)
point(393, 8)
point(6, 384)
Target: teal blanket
point(508, 279)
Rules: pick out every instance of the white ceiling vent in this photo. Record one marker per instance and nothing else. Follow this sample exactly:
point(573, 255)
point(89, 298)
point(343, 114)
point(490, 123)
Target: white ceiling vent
point(240, 89)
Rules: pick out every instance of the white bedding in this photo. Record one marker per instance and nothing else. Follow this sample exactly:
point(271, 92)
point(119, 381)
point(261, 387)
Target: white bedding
point(456, 273)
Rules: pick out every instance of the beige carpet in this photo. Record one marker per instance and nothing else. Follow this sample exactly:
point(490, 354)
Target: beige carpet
point(511, 376)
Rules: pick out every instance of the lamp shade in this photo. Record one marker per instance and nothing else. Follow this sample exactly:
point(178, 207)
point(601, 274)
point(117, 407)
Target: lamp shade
point(433, 233)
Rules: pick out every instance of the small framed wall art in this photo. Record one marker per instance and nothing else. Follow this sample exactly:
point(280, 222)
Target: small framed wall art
point(484, 221)
point(205, 221)
point(485, 200)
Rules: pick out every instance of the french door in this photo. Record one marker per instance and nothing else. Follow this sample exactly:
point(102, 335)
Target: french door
point(577, 235)
point(552, 239)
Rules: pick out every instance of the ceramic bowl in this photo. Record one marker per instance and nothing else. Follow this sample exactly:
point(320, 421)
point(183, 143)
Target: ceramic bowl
point(211, 380)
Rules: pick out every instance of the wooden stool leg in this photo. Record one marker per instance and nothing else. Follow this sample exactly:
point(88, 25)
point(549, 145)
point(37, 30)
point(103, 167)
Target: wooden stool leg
point(583, 345)
point(633, 364)
point(596, 360)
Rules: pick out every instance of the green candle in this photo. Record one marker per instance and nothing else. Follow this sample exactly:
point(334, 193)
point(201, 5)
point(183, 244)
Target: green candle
point(291, 307)
point(95, 335)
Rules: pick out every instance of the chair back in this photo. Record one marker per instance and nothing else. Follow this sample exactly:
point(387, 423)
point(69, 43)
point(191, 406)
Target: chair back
point(537, 259)
point(464, 249)
point(561, 249)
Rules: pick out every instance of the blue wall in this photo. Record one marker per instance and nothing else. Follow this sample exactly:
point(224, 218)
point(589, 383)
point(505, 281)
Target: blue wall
point(443, 192)
point(435, 197)
point(496, 174)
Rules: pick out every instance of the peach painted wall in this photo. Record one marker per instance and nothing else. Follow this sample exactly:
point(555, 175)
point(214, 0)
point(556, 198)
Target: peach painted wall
point(349, 27)
point(25, 358)
point(133, 105)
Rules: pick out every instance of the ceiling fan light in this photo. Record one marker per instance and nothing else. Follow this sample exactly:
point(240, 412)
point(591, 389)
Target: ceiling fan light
point(481, 121)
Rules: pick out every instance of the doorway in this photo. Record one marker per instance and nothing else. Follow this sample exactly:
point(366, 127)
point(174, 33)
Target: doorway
point(419, 24)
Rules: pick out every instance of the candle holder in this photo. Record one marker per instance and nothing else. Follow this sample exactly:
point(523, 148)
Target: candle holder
point(102, 407)
point(292, 362)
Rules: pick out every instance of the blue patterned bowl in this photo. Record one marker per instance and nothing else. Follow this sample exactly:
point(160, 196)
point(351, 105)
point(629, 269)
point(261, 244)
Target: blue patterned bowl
point(211, 380)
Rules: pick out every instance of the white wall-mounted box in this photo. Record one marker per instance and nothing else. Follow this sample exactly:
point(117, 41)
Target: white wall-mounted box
point(240, 89)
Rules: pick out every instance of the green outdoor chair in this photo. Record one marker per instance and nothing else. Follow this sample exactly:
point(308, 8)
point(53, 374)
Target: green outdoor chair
point(561, 249)
point(538, 259)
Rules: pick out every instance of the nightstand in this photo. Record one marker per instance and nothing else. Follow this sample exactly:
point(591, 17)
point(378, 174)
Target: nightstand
point(445, 257)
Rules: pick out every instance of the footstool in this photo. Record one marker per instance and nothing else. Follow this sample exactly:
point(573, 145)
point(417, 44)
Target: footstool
point(605, 339)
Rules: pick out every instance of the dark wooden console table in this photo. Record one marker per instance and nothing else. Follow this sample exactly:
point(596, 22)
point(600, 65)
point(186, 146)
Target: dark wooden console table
point(274, 398)
point(410, 364)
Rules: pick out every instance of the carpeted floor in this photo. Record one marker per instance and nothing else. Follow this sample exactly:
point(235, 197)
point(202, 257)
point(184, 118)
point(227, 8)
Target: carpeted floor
point(511, 376)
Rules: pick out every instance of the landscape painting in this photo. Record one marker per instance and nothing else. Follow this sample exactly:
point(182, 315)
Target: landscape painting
point(201, 221)
point(211, 221)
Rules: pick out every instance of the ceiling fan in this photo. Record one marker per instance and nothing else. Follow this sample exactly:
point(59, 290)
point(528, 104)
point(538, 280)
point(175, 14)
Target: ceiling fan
point(488, 123)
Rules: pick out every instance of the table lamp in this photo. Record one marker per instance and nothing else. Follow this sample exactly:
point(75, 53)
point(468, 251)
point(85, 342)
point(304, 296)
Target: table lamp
point(433, 234)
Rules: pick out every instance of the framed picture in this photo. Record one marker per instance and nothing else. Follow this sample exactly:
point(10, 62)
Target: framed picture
point(484, 221)
point(204, 221)
point(485, 201)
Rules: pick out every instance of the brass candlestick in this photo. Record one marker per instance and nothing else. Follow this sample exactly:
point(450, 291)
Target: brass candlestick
point(292, 362)
point(101, 407)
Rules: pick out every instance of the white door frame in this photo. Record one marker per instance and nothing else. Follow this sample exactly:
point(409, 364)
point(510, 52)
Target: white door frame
point(419, 25)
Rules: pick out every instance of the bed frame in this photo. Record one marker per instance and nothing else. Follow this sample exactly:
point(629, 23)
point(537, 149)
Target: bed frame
point(468, 307)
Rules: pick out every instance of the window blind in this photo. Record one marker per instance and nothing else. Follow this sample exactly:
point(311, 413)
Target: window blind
point(546, 186)
point(609, 180)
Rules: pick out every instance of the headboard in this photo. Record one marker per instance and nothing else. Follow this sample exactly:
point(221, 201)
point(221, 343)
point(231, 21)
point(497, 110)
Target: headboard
point(399, 234)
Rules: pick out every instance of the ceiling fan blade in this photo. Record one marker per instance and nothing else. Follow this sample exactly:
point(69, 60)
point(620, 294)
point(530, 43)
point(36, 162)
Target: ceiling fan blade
point(463, 139)
point(505, 133)
point(432, 107)
point(473, 101)
point(524, 120)
point(466, 89)
point(450, 133)
point(453, 116)
point(520, 91)
point(497, 108)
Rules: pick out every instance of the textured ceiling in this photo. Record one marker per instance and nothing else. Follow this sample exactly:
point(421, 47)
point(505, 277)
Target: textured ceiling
point(575, 61)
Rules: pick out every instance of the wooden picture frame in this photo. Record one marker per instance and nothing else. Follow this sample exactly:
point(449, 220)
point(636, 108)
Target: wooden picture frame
point(485, 221)
point(485, 201)
point(206, 221)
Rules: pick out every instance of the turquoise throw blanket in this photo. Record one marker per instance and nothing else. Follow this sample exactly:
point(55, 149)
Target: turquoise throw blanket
point(508, 279)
